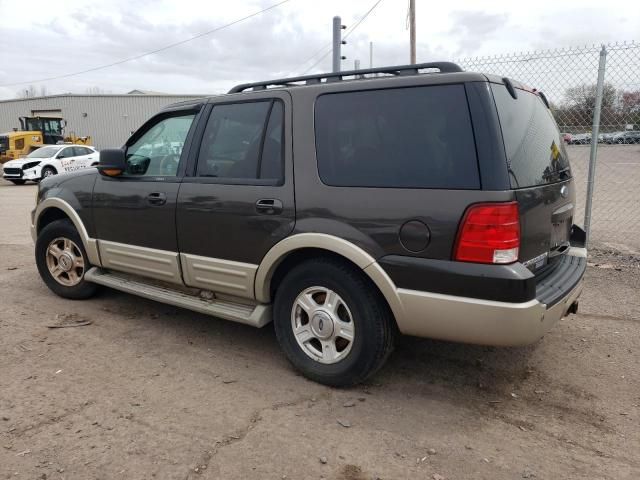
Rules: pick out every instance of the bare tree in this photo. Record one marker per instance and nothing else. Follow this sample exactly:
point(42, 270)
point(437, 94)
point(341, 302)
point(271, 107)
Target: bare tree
point(28, 92)
point(96, 91)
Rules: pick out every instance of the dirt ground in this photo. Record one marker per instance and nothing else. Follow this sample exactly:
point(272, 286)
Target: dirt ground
point(150, 391)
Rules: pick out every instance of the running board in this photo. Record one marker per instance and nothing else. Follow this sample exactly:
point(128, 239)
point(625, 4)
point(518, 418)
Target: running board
point(256, 315)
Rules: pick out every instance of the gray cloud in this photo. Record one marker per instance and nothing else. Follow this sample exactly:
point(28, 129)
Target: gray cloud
point(271, 45)
point(473, 28)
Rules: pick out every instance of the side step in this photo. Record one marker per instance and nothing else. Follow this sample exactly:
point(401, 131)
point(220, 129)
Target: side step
point(257, 315)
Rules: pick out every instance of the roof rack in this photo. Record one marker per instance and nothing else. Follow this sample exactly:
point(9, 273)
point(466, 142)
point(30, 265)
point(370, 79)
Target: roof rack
point(400, 70)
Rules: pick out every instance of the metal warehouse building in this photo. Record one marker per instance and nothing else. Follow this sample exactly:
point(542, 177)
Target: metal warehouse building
point(109, 119)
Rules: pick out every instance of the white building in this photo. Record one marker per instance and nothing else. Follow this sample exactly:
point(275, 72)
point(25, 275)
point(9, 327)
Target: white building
point(109, 119)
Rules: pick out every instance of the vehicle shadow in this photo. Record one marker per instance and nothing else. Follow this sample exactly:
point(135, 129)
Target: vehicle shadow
point(415, 367)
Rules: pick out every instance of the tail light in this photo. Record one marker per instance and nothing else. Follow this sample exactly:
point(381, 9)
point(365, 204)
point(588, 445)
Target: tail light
point(489, 233)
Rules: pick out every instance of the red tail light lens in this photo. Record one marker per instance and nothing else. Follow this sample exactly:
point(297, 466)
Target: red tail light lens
point(489, 233)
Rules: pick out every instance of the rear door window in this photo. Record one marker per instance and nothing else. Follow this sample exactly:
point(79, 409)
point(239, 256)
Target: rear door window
point(418, 137)
point(535, 151)
point(243, 141)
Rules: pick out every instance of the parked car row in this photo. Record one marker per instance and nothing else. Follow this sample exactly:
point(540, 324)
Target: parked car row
point(50, 160)
point(626, 137)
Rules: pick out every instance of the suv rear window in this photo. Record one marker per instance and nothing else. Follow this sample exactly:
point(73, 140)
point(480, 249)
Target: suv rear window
point(535, 152)
point(418, 137)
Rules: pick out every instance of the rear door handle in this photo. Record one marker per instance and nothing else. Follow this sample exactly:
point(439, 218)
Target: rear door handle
point(157, 198)
point(269, 206)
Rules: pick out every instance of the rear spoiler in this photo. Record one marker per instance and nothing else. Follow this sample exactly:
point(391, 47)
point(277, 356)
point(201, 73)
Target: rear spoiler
point(512, 90)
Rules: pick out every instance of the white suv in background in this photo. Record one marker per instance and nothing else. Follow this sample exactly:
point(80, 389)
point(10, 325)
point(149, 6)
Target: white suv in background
point(50, 160)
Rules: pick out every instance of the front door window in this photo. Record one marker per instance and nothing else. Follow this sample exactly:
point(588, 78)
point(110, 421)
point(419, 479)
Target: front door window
point(157, 152)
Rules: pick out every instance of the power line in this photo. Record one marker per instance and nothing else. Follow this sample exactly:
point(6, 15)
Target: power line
point(152, 52)
point(349, 32)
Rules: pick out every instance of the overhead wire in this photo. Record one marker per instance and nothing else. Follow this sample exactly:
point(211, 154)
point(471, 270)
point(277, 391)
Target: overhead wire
point(152, 52)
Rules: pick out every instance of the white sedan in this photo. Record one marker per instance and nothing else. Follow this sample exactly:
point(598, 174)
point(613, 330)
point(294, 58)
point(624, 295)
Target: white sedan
point(50, 160)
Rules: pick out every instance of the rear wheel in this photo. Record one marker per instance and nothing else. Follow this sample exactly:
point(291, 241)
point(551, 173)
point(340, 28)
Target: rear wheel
point(62, 261)
point(48, 171)
point(18, 182)
point(332, 323)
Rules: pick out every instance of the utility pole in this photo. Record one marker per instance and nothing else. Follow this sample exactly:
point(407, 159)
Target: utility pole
point(337, 43)
point(370, 54)
point(412, 29)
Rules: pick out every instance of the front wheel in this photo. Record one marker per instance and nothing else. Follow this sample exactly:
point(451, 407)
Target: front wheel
point(48, 171)
point(332, 323)
point(62, 261)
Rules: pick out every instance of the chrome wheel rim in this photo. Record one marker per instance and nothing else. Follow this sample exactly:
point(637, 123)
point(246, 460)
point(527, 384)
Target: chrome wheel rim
point(322, 325)
point(65, 262)
point(47, 172)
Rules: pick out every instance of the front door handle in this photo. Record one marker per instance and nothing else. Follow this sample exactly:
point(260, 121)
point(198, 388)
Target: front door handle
point(269, 206)
point(157, 198)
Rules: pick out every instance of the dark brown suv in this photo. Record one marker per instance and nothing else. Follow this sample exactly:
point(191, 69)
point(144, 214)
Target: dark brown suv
point(345, 207)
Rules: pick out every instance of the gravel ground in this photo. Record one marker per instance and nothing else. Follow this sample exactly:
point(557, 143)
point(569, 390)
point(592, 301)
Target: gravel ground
point(150, 391)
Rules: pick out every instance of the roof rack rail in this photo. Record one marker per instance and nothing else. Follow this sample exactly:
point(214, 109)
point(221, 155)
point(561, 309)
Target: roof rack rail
point(444, 67)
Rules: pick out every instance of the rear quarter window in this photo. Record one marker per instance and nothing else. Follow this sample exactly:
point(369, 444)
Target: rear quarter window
point(536, 154)
point(418, 137)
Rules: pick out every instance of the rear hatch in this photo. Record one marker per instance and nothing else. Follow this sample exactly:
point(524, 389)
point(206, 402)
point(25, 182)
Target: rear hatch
point(539, 173)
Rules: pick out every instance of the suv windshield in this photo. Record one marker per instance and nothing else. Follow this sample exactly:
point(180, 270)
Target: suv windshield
point(535, 151)
point(44, 152)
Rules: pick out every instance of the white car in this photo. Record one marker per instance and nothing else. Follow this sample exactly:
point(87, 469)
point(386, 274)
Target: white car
point(50, 160)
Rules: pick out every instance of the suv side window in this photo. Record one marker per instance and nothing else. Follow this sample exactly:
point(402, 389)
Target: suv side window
point(243, 141)
point(416, 137)
point(157, 152)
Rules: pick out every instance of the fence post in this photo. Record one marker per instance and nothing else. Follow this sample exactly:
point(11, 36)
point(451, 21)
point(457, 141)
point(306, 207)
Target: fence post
point(594, 142)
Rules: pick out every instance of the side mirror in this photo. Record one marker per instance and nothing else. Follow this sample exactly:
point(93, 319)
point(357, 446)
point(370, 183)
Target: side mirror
point(112, 162)
point(60, 157)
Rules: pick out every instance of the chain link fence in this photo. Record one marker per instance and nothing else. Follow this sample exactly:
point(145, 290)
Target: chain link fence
point(569, 79)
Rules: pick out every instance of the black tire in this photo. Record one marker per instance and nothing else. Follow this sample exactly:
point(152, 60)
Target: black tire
point(18, 182)
point(375, 327)
point(62, 229)
point(47, 172)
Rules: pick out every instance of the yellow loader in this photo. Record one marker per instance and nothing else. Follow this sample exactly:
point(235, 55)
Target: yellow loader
point(35, 132)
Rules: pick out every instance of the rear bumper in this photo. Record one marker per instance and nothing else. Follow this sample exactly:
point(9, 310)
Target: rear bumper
point(490, 322)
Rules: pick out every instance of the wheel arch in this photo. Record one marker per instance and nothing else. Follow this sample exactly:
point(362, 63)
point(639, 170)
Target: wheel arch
point(52, 209)
point(285, 254)
point(51, 166)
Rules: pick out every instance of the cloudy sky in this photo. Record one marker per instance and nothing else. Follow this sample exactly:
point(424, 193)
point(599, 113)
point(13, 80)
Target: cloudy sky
point(67, 36)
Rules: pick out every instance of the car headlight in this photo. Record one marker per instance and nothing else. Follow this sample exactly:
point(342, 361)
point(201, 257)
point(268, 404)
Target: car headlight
point(29, 165)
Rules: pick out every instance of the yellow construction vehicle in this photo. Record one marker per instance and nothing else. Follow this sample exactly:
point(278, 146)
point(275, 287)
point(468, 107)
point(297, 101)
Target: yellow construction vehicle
point(35, 132)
